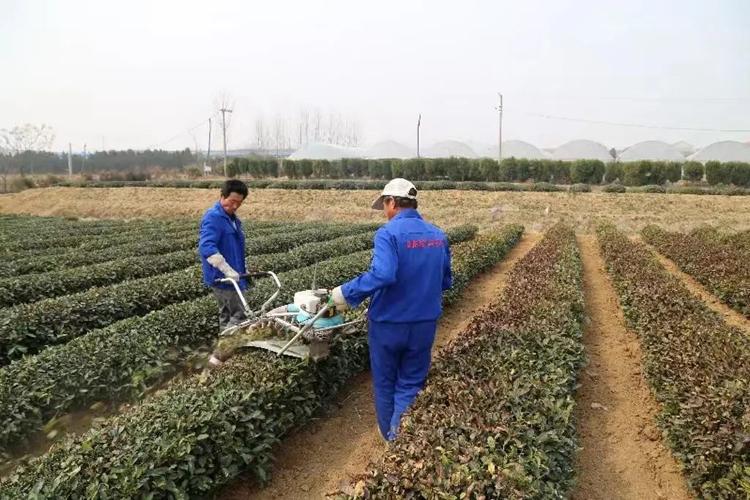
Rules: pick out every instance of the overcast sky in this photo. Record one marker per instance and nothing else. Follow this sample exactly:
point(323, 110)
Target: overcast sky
point(141, 73)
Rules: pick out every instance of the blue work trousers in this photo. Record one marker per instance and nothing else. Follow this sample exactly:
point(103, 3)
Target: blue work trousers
point(399, 359)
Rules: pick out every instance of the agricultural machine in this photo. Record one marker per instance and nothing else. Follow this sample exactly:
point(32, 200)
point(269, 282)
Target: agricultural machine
point(302, 329)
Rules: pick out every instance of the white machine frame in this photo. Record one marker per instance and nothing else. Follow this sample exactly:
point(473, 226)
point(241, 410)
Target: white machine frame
point(306, 340)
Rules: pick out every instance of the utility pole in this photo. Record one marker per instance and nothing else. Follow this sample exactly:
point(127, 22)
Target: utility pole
point(83, 159)
point(500, 129)
point(224, 129)
point(70, 160)
point(208, 153)
point(419, 122)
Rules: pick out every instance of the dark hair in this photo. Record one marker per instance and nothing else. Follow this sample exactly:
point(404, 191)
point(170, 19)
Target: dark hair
point(404, 202)
point(233, 186)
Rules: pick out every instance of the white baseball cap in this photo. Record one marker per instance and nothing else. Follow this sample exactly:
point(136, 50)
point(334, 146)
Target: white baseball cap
point(396, 187)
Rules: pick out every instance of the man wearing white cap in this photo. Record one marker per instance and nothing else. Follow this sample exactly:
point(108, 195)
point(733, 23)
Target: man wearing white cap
point(411, 266)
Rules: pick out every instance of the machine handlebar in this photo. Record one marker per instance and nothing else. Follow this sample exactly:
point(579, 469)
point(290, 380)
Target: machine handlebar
point(252, 275)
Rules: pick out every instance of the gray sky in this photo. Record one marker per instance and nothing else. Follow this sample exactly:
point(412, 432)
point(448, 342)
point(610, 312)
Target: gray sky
point(139, 73)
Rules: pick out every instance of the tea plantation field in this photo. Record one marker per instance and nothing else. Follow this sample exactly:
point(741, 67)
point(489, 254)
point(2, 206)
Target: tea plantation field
point(105, 326)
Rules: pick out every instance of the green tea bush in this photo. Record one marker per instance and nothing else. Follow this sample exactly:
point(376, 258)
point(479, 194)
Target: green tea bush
point(202, 431)
point(696, 364)
point(495, 416)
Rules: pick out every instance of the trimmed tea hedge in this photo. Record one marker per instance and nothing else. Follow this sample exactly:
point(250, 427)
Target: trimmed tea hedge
point(68, 259)
point(83, 243)
point(120, 361)
point(139, 245)
point(203, 431)
point(35, 287)
point(27, 328)
point(27, 241)
point(86, 243)
point(697, 365)
point(720, 267)
point(495, 418)
point(36, 231)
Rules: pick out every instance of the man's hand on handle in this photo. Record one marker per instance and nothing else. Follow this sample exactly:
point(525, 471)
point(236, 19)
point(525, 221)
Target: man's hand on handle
point(217, 260)
point(337, 297)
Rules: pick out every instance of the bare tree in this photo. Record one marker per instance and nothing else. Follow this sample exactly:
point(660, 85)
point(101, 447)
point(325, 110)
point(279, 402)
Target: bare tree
point(304, 127)
point(5, 166)
point(318, 125)
point(24, 138)
point(283, 131)
point(261, 133)
point(331, 133)
point(351, 133)
point(280, 137)
point(198, 150)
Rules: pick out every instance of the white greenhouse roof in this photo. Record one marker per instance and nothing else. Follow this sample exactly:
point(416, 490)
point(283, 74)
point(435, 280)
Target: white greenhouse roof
point(446, 149)
point(723, 151)
point(321, 151)
point(651, 150)
point(582, 149)
point(522, 149)
point(389, 149)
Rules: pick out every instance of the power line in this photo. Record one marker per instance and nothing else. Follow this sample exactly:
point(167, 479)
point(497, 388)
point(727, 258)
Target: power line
point(177, 136)
point(636, 125)
point(500, 128)
point(640, 99)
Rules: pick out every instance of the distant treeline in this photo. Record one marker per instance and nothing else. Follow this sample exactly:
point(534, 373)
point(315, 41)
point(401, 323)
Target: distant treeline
point(354, 184)
point(39, 162)
point(593, 172)
point(639, 173)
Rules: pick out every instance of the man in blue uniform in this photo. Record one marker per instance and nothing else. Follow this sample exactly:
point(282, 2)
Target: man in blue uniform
point(222, 250)
point(409, 271)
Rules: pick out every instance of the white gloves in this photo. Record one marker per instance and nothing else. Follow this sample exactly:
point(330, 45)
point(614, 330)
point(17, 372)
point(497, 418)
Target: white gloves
point(338, 299)
point(217, 260)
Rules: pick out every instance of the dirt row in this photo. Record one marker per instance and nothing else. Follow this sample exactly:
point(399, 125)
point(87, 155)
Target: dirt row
point(622, 453)
point(729, 315)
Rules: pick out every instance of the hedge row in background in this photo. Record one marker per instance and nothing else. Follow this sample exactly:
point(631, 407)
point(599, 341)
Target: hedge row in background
point(203, 431)
point(636, 173)
point(723, 268)
point(495, 418)
point(355, 184)
point(697, 365)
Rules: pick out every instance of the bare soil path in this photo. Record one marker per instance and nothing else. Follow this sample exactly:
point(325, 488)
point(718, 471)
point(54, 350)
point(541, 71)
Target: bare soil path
point(730, 316)
point(320, 458)
point(623, 455)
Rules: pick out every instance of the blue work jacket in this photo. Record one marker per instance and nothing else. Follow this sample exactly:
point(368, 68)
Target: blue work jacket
point(411, 266)
point(219, 235)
